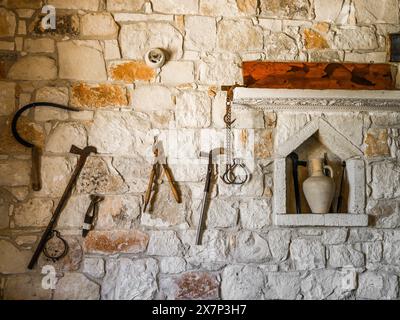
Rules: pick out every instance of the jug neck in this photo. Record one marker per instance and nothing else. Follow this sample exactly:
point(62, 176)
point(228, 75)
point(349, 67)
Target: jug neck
point(316, 167)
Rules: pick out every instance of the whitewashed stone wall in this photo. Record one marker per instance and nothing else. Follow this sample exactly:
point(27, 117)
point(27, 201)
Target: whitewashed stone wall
point(93, 60)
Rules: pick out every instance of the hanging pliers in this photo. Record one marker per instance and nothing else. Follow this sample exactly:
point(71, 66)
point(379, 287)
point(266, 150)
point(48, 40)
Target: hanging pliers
point(155, 175)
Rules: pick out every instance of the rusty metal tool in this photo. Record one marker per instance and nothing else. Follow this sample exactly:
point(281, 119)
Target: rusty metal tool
point(295, 165)
point(91, 214)
point(230, 175)
point(155, 175)
point(340, 197)
point(84, 154)
point(36, 150)
point(207, 188)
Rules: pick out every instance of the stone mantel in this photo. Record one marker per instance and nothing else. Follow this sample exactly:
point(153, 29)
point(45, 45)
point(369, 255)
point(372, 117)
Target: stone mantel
point(317, 100)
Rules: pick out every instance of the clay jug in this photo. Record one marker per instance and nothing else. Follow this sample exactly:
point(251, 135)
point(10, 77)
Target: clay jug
point(318, 188)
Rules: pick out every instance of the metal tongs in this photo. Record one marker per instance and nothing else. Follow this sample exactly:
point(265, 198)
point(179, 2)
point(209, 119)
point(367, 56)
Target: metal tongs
point(159, 164)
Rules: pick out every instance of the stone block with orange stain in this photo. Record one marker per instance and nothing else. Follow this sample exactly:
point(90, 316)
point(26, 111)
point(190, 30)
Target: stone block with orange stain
point(117, 241)
point(131, 71)
point(27, 129)
point(191, 286)
point(197, 285)
point(376, 142)
point(98, 96)
point(314, 40)
point(263, 143)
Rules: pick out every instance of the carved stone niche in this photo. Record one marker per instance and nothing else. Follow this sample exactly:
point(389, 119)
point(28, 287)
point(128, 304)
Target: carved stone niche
point(318, 135)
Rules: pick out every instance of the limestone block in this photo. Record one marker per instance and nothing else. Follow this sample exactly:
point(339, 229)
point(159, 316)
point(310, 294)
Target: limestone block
point(81, 60)
point(99, 25)
point(392, 252)
point(118, 212)
point(278, 241)
point(356, 38)
point(288, 9)
point(283, 286)
point(328, 11)
point(51, 94)
point(242, 283)
point(75, 286)
point(136, 39)
point(200, 33)
point(171, 6)
point(350, 125)
point(125, 5)
point(116, 241)
point(12, 259)
point(14, 172)
point(25, 287)
point(111, 50)
point(307, 254)
point(326, 55)
point(373, 251)
point(177, 73)
point(7, 98)
point(128, 279)
point(385, 180)
point(239, 35)
point(229, 8)
point(345, 255)
point(98, 176)
point(370, 11)
point(152, 98)
point(217, 69)
point(212, 251)
point(377, 286)
point(364, 235)
point(63, 135)
point(7, 23)
point(33, 68)
point(255, 214)
point(89, 5)
point(369, 57)
point(334, 236)
point(56, 172)
point(288, 124)
point(251, 247)
point(39, 45)
point(94, 267)
point(193, 109)
point(25, 4)
point(118, 132)
point(171, 265)
point(323, 284)
point(34, 213)
point(164, 243)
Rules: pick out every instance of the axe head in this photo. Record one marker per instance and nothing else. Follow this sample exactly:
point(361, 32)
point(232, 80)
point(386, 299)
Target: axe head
point(85, 151)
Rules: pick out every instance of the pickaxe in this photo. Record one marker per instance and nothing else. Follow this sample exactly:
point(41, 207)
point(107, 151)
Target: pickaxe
point(36, 151)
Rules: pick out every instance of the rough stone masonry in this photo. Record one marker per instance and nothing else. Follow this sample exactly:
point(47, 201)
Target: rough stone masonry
point(94, 60)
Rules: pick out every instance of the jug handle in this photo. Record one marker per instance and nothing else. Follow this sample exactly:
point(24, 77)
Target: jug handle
point(330, 170)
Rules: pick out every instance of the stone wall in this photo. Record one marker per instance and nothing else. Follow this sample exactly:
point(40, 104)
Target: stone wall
point(93, 60)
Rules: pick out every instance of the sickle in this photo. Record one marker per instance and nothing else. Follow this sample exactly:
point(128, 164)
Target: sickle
point(36, 181)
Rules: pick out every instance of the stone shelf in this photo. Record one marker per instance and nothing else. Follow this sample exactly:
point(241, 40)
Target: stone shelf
point(322, 220)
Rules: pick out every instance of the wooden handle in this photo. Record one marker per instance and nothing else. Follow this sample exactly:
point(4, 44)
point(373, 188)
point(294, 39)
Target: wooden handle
point(149, 187)
point(35, 172)
point(172, 184)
